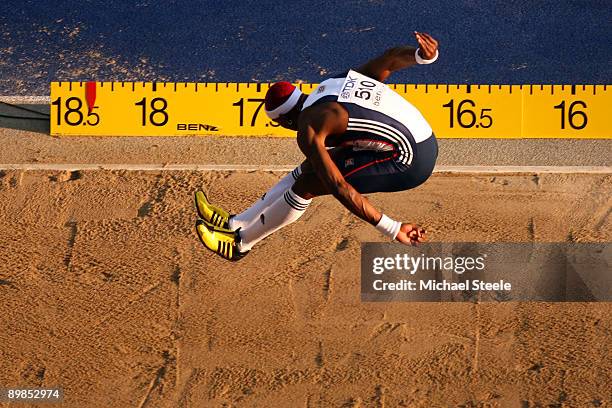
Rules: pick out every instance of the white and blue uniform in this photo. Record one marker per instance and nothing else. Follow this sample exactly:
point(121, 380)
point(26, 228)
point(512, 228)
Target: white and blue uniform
point(388, 144)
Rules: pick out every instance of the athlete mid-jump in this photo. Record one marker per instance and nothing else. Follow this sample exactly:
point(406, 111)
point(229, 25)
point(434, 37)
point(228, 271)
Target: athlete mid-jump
point(358, 135)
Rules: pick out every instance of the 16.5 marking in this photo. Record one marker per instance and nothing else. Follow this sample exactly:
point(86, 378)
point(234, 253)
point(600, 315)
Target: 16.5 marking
point(466, 117)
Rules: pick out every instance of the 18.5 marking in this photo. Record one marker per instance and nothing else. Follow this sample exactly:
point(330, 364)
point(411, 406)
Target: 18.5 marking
point(73, 116)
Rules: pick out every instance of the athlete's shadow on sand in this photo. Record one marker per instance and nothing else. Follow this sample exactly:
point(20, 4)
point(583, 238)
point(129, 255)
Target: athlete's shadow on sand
point(11, 117)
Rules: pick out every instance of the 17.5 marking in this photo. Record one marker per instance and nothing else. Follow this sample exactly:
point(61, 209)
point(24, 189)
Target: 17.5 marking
point(240, 104)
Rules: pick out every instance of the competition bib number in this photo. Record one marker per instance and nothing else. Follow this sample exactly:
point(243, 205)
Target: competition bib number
point(362, 90)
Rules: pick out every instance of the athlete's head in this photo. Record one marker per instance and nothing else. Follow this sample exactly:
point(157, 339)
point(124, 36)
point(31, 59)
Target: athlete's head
point(284, 103)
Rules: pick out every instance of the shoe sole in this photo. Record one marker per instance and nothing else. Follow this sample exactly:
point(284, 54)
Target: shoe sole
point(198, 222)
point(195, 202)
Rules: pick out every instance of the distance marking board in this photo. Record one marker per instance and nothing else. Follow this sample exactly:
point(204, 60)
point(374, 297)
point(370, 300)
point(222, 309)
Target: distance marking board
point(454, 111)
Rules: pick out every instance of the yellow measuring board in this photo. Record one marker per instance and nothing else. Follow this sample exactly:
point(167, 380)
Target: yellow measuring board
point(454, 111)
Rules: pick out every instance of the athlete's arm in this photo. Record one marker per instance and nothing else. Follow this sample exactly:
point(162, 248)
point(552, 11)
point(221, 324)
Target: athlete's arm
point(398, 58)
point(311, 140)
point(314, 127)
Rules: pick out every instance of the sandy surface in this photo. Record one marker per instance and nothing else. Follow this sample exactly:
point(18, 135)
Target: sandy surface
point(107, 291)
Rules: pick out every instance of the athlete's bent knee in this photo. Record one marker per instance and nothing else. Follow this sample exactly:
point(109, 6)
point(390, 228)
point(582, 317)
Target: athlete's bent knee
point(308, 186)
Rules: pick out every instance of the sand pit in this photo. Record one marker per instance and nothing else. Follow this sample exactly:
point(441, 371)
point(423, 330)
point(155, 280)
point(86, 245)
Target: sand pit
point(108, 292)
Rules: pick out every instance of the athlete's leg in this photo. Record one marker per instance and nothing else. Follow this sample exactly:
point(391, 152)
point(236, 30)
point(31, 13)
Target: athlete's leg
point(369, 171)
point(252, 214)
point(377, 172)
point(285, 210)
point(308, 186)
point(289, 207)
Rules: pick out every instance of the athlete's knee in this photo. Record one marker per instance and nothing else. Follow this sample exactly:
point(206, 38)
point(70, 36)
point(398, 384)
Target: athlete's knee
point(306, 167)
point(301, 190)
point(308, 186)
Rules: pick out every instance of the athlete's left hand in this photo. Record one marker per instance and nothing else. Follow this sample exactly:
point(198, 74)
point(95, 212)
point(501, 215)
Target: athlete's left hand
point(410, 234)
point(427, 44)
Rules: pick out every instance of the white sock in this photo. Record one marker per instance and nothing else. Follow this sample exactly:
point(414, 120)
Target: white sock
point(284, 211)
point(252, 214)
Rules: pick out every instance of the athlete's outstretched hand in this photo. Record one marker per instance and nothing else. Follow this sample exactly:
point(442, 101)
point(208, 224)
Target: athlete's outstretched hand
point(427, 44)
point(411, 234)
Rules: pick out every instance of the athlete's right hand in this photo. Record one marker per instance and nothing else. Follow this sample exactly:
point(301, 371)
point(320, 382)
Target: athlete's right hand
point(410, 234)
point(427, 44)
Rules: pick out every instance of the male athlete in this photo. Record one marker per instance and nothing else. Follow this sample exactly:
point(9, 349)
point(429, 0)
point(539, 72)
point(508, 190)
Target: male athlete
point(359, 137)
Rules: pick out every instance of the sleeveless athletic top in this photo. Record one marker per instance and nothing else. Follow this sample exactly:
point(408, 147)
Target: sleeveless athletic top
point(379, 118)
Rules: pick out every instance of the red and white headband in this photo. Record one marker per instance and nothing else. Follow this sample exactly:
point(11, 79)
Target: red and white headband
point(285, 106)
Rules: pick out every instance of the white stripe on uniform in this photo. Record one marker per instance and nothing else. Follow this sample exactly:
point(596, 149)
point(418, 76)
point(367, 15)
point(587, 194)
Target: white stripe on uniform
point(387, 132)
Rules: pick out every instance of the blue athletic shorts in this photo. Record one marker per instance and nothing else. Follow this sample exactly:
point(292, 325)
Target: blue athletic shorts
point(371, 171)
